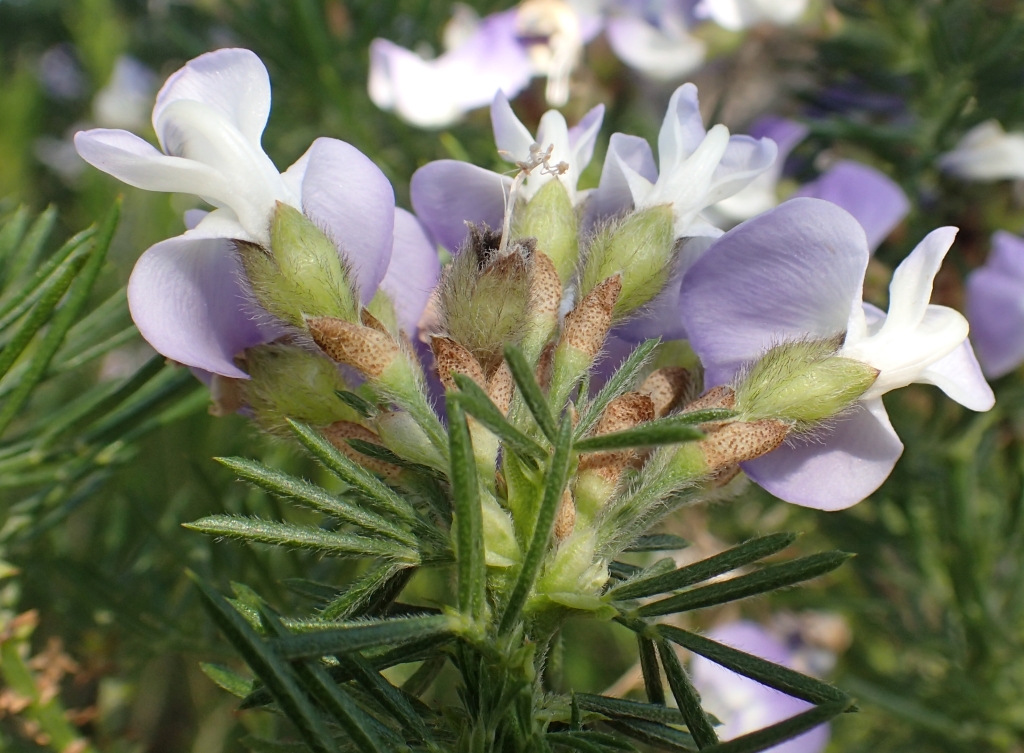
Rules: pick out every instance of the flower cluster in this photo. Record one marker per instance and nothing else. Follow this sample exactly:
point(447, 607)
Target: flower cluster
point(313, 304)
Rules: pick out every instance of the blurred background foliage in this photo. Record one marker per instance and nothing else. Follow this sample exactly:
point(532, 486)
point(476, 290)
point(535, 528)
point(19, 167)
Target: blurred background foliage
point(91, 534)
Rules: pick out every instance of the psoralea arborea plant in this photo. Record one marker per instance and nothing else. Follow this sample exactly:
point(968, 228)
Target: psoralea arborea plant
point(317, 308)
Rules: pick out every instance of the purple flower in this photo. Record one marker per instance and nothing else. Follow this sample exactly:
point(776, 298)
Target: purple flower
point(744, 705)
point(995, 306)
point(872, 197)
point(796, 273)
point(188, 294)
point(447, 194)
point(652, 37)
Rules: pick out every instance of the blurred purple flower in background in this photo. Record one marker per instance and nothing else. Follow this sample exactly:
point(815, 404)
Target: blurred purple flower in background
point(995, 306)
point(742, 14)
point(796, 273)
point(653, 37)
point(744, 705)
point(188, 294)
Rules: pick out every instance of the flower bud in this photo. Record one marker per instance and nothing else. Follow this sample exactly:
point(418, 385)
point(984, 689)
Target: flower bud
point(587, 325)
point(290, 382)
point(400, 433)
point(500, 546)
point(340, 431)
point(641, 248)
point(366, 349)
point(484, 299)
point(302, 275)
point(551, 218)
point(802, 382)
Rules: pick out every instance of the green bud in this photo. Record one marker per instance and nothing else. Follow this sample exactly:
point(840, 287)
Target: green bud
point(500, 546)
point(400, 433)
point(641, 248)
point(573, 568)
point(383, 310)
point(485, 299)
point(290, 382)
point(551, 218)
point(803, 382)
point(302, 275)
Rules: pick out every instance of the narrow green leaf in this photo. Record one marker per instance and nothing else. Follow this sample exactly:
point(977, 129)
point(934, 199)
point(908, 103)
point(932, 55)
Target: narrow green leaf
point(303, 537)
point(765, 672)
point(386, 694)
point(554, 485)
point(478, 404)
point(41, 314)
point(623, 570)
point(375, 490)
point(523, 376)
point(624, 379)
point(468, 523)
point(22, 298)
point(363, 407)
point(353, 598)
point(227, 679)
point(268, 667)
point(651, 670)
point(424, 677)
point(622, 708)
point(658, 542)
point(752, 584)
point(652, 434)
point(62, 321)
point(587, 741)
point(10, 237)
point(360, 636)
point(769, 737)
point(697, 720)
point(660, 736)
point(263, 745)
point(706, 416)
point(356, 722)
point(31, 245)
point(317, 498)
point(738, 556)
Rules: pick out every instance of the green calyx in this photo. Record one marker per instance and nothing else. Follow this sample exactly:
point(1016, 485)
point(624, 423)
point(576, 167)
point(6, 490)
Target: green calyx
point(803, 382)
point(302, 275)
point(291, 382)
point(641, 249)
point(551, 218)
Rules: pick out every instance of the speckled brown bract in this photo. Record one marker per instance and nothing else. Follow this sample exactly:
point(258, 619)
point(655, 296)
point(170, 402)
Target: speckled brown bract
point(586, 326)
point(452, 357)
point(362, 348)
point(340, 431)
point(624, 412)
point(733, 443)
point(666, 387)
point(565, 521)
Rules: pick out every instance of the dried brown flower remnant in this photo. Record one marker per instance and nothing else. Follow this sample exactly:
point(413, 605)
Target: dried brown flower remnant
point(566, 518)
point(452, 357)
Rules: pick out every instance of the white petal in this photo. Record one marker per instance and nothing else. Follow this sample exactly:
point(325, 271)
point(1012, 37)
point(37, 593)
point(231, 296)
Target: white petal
point(959, 376)
point(987, 153)
point(911, 286)
point(137, 163)
point(232, 81)
point(510, 135)
point(682, 130)
point(583, 137)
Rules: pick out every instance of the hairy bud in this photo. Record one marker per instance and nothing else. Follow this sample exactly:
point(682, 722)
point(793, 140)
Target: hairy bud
point(484, 298)
point(641, 248)
point(666, 387)
point(368, 350)
point(402, 435)
point(302, 274)
point(802, 382)
point(287, 381)
point(340, 431)
point(551, 218)
point(587, 325)
point(452, 357)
